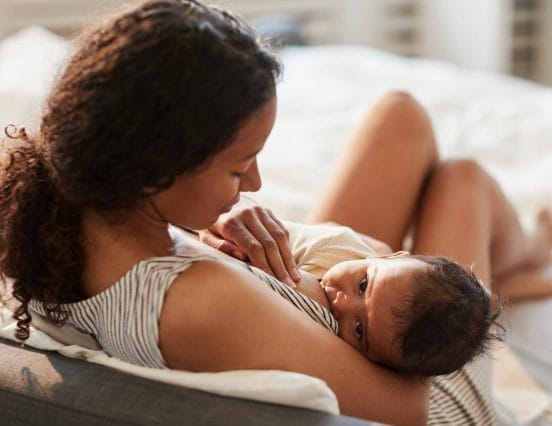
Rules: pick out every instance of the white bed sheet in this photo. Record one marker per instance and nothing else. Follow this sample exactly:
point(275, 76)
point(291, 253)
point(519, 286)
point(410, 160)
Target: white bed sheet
point(504, 122)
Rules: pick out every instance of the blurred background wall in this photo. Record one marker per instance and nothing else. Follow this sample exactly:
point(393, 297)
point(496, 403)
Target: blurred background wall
point(509, 36)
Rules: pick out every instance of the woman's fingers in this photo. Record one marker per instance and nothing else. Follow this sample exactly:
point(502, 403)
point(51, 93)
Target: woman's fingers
point(281, 236)
point(272, 248)
point(253, 245)
point(217, 242)
point(263, 240)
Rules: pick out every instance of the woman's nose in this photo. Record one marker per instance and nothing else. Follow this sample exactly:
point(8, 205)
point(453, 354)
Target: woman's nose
point(251, 182)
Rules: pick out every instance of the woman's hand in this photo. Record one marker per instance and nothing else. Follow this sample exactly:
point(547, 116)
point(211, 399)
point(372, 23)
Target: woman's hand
point(252, 233)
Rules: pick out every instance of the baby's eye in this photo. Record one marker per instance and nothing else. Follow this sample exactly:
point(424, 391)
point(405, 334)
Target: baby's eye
point(363, 284)
point(359, 330)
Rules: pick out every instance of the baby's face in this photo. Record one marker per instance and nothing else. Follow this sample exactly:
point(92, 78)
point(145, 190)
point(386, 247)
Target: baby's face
point(362, 295)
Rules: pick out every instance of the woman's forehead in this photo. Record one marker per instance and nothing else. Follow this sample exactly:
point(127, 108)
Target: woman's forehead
point(252, 135)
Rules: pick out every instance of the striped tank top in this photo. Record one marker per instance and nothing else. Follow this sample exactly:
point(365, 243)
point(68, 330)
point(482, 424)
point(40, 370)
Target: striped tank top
point(125, 317)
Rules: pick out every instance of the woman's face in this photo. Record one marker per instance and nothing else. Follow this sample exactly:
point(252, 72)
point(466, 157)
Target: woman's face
point(196, 200)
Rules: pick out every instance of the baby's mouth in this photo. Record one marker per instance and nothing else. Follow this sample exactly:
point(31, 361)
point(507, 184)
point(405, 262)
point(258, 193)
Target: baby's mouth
point(331, 294)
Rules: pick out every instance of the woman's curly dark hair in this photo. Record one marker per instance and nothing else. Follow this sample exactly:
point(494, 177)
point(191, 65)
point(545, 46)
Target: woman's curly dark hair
point(149, 94)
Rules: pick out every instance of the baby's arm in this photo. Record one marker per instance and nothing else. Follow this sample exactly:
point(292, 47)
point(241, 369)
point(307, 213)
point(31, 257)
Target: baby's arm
point(378, 246)
point(305, 238)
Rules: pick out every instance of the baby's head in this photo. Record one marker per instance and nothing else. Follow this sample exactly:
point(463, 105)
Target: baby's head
point(417, 314)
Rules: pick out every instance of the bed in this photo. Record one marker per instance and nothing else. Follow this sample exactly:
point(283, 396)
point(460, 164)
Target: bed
point(505, 123)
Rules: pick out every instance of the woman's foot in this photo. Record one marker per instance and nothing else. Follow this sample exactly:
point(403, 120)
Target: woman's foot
point(530, 280)
point(522, 285)
point(540, 241)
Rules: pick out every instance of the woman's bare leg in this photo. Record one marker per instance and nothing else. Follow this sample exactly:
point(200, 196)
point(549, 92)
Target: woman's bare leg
point(465, 215)
point(376, 184)
point(524, 284)
point(532, 281)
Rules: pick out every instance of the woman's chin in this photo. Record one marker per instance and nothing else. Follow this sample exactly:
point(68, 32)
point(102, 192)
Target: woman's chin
point(225, 209)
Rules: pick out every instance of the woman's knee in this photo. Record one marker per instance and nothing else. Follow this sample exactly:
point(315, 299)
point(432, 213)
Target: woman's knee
point(402, 114)
point(461, 173)
point(399, 97)
point(401, 104)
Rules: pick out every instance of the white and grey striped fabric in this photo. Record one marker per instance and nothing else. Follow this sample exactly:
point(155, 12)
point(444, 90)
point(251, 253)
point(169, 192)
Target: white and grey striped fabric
point(461, 398)
point(125, 317)
point(304, 303)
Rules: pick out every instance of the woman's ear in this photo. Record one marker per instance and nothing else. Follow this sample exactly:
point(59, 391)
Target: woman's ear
point(400, 253)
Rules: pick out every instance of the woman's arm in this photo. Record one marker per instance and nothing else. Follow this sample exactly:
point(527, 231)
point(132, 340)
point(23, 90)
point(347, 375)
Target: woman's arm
point(217, 317)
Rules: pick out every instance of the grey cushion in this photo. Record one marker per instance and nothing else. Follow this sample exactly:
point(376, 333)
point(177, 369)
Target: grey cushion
point(39, 387)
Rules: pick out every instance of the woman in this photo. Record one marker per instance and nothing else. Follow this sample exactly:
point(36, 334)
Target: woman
point(157, 120)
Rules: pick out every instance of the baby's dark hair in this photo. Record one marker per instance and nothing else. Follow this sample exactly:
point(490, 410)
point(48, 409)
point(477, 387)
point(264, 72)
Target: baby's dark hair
point(446, 320)
point(152, 92)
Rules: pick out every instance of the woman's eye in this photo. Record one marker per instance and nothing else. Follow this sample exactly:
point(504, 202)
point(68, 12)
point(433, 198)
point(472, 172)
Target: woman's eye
point(359, 330)
point(363, 284)
point(238, 175)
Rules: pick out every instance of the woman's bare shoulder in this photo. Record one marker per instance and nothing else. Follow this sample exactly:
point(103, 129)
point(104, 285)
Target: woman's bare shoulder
point(221, 306)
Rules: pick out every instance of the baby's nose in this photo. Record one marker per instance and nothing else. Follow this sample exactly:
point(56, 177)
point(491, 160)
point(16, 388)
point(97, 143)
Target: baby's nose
point(339, 304)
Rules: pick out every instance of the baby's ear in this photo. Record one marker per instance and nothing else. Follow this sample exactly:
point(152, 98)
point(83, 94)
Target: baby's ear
point(401, 253)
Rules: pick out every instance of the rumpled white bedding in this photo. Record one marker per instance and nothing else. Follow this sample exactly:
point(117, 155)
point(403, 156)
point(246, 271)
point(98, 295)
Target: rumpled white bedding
point(504, 122)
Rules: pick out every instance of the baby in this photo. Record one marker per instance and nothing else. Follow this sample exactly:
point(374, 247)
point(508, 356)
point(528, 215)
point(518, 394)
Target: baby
point(416, 314)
